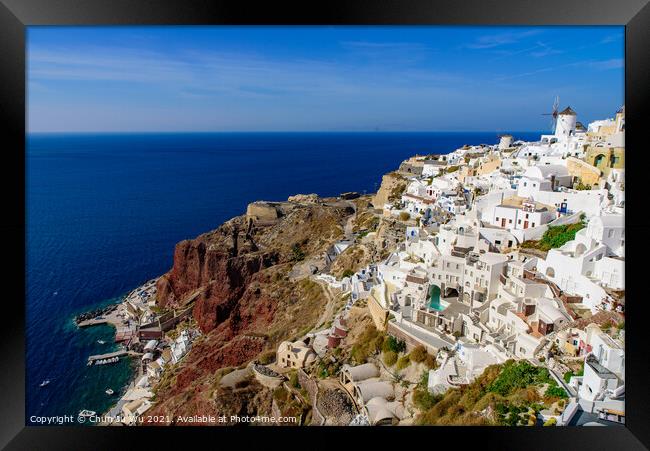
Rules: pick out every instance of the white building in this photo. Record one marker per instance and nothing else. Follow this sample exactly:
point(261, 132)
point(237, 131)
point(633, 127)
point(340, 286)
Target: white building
point(519, 214)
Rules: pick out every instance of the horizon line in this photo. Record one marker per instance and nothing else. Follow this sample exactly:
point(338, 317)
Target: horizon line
point(117, 132)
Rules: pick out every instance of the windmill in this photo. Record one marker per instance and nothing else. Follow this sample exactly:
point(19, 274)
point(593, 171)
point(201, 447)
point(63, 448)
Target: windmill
point(554, 113)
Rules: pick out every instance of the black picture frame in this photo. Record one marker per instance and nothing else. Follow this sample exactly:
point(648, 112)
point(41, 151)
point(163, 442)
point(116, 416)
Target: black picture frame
point(15, 15)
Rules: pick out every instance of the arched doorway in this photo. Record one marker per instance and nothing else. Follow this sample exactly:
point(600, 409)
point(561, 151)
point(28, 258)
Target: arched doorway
point(451, 292)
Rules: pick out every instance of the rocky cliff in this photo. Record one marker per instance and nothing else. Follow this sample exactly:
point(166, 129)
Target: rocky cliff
point(392, 187)
point(236, 278)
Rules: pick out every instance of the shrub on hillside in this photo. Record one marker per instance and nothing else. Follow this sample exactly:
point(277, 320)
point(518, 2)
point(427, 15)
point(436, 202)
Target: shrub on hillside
point(403, 362)
point(418, 354)
point(516, 375)
point(430, 362)
point(393, 344)
point(390, 358)
point(267, 357)
point(369, 342)
point(293, 379)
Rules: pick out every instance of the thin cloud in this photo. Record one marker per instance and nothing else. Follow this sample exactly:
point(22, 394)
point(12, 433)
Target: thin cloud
point(614, 63)
point(496, 40)
point(524, 74)
point(368, 45)
point(546, 50)
point(611, 38)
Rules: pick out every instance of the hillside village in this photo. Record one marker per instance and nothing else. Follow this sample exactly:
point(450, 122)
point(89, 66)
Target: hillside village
point(511, 254)
point(482, 286)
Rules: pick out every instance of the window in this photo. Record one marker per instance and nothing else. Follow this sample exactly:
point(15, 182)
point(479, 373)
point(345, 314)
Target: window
point(610, 233)
point(519, 222)
point(533, 224)
point(526, 215)
point(509, 221)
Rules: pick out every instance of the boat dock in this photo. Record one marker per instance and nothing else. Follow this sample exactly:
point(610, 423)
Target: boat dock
point(110, 355)
point(92, 322)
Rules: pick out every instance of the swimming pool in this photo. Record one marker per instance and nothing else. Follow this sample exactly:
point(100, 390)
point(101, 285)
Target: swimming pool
point(434, 299)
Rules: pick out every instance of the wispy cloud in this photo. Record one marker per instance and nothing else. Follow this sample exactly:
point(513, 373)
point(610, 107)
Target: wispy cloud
point(195, 74)
point(496, 40)
point(388, 52)
point(524, 74)
point(611, 38)
point(545, 50)
point(366, 45)
point(614, 63)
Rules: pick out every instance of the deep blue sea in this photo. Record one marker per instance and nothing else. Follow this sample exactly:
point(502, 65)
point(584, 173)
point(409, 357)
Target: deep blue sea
point(104, 212)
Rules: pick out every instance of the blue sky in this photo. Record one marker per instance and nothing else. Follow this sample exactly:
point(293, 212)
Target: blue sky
point(319, 78)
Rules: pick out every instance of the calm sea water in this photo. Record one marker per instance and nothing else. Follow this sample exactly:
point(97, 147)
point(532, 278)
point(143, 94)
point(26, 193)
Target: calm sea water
point(105, 211)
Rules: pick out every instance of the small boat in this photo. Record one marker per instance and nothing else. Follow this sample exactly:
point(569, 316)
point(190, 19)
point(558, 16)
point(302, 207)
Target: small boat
point(101, 342)
point(109, 391)
point(44, 383)
point(87, 413)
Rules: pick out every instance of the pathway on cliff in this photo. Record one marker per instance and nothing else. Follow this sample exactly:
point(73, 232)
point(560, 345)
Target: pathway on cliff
point(332, 300)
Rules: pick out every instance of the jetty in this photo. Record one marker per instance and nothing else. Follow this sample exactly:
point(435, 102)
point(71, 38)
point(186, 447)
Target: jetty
point(92, 322)
point(93, 358)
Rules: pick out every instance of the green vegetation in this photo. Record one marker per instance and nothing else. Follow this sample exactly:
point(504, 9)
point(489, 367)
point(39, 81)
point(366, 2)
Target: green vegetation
point(581, 187)
point(567, 376)
point(422, 398)
point(390, 358)
point(391, 343)
point(518, 375)
point(403, 362)
point(451, 169)
point(505, 394)
point(404, 216)
point(348, 273)
point(551, 422)
point(554, 391)
point(293, 379)
point(554, 237)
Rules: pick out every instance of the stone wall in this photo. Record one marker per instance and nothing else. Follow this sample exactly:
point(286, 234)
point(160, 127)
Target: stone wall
point(411, 341)
point(261, 211)
point(587, 173)
point(312, 391)
point(379, 315)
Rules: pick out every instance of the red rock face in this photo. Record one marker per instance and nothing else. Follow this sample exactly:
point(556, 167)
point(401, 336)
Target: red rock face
point(214, 278)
